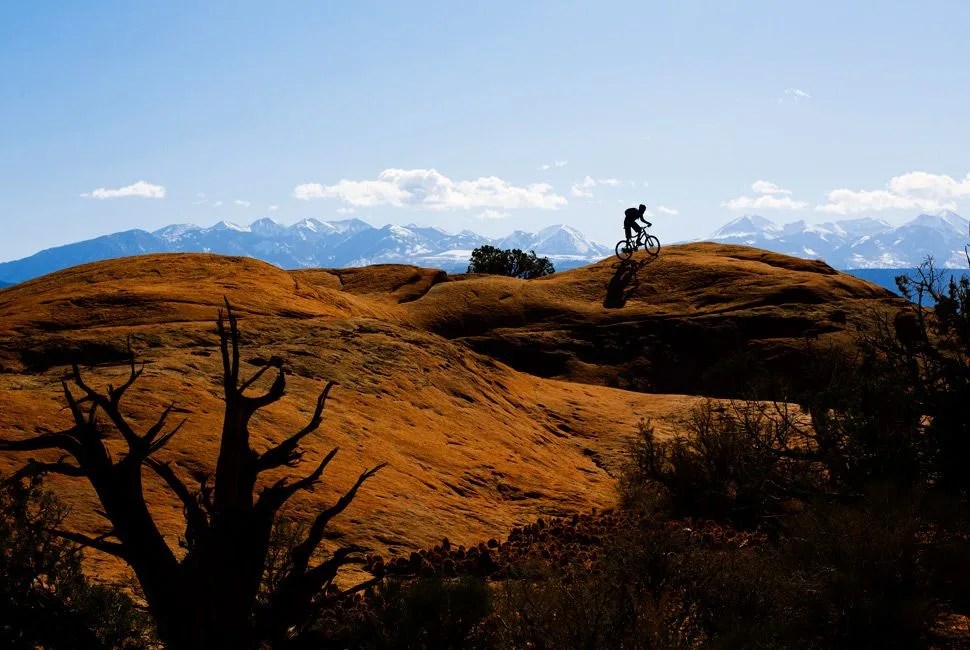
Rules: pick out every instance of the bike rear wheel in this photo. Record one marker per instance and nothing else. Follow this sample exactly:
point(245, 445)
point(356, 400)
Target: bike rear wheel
point(624, 250)
point(652, 245)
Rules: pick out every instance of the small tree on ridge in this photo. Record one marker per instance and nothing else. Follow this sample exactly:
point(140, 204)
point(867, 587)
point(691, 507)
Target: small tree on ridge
point(512, 262)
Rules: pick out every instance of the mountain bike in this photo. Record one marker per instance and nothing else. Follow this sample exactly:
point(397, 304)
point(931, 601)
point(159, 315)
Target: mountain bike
point(625, 248)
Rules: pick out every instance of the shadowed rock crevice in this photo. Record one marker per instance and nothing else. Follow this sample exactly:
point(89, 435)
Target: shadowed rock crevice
point(664, 355)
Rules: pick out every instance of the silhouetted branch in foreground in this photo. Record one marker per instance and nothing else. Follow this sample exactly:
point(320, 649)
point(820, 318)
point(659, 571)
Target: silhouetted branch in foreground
point(210, 598)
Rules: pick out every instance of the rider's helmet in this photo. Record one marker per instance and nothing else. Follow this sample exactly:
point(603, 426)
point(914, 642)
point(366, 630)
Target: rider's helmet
point(643, 209)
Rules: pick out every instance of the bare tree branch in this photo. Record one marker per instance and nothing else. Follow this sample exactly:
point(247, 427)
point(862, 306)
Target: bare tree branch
point(156, 428)
point(110, 408)
point(63, 441)
point(234, 337)
point(115, 394)
point(73, 405)
point(205, 493)
point(161, 442)
point(273, 498)
point(366, 584)
point(319, 577)
point(304, 551)
point(35, 467)
point(274, 394)
point(252, 380)
point(224, 351)
point(286, 452)
point(196, 519)
point(98, 543)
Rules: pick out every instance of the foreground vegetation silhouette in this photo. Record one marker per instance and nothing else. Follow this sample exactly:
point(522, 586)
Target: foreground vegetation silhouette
point(215, 595)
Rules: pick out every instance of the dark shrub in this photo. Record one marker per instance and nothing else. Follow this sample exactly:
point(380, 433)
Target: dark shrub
point(45, 600)
point(736, 463)
point(415, 613)
point(511, 262)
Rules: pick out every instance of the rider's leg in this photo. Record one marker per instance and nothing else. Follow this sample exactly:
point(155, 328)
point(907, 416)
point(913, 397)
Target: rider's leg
point(626, 227)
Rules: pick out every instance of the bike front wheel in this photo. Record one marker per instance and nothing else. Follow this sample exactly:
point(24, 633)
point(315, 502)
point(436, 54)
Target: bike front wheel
point(624, 250)
point(652, 245)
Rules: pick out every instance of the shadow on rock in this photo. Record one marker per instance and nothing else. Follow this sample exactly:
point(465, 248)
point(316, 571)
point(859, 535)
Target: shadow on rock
point(625, 281)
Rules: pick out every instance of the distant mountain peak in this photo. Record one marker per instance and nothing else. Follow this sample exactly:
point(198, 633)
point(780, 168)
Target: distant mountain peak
point(747, 225)
point(175, 231)
point(415, 227)
point(267, 226)
point(944, 220)
point(313, 225)
point(858, 243)
point(228, 225)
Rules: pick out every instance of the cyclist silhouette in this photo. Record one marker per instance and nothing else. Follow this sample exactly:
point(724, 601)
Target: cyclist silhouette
point(630, 217)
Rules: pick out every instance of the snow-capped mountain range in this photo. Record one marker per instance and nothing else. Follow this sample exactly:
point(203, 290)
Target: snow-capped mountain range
point(849, 244)
point(858, 243)
point(312, 243)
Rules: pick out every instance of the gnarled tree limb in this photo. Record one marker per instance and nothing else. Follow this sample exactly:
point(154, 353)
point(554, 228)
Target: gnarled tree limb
point(286, 452)
point(98, 543)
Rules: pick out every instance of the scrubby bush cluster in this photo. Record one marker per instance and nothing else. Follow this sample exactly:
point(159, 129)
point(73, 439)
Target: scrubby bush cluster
point(511, 262)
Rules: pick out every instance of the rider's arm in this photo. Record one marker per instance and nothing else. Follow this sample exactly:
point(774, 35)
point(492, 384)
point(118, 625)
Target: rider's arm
point(649, 225)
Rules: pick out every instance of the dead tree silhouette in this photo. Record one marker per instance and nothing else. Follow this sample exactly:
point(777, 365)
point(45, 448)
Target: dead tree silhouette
point(210, 598)
point(625, 281)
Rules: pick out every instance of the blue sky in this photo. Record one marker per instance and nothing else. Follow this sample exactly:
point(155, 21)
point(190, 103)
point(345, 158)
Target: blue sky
point(489, 116)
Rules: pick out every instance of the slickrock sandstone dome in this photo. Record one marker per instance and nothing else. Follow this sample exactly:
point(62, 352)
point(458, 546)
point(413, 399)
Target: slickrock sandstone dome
point(494, 400)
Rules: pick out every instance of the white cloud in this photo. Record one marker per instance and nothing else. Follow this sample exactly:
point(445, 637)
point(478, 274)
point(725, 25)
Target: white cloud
point(793, 95)
point(493, 214)
point(584, 188)
point(764, 202)
point(140, 188)
point(273, 208)
point(924, 184)
point(771, 197)
point(242, 203)
point(845, 201)
point(558, 164)
point(663, 209)
point(764, 187)
point(428, 188)
point(217, 203)
point(910, 191)
point(346, 211)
